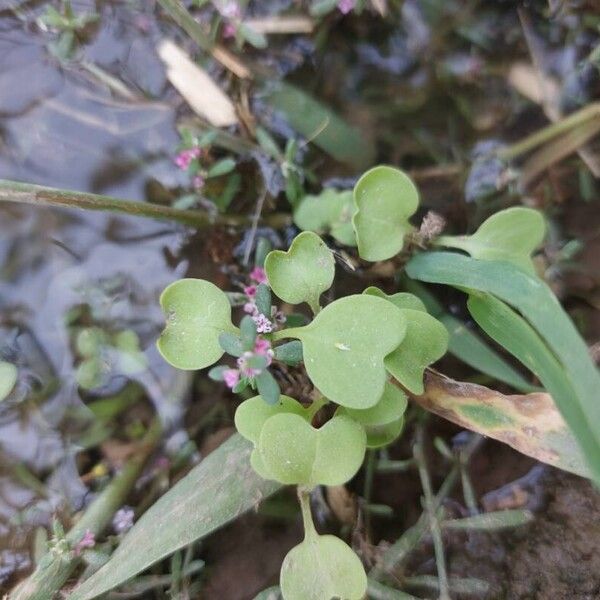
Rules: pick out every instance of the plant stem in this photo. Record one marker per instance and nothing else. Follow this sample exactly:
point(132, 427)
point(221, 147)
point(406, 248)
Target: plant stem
point(178, 12)
point(37, 195)
point(431, 510)
point(592, 111)
point(309, 527)
point(378, 591)
point(56, 566)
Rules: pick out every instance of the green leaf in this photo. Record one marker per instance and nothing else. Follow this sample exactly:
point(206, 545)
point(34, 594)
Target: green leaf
point(302, 273)
point(90, 341)
point(8, 378)
point(197, 312)
point(510, 235)
point(468, 347)
point(231, 343)
point(385, 198)
point(345, 345)
point(400, 299)
point(294, 452)
point(536, 302)
point(289, 353)
point(222, 487)
point(510, 330)
point(426, 341)
point(267, 387)
point(321, 567)
point(492, 521)
point(221, 167)
point(383, 422)
point(321, 125)
point(263, 300)
point(329, 212)
point(248, 333)
point(252, 414)
point(253, 37)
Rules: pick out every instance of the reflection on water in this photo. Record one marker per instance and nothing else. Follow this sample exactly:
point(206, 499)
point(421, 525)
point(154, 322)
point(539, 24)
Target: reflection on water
point(63, 127)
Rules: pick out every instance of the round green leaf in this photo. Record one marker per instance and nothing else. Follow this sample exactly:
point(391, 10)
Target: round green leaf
point(302, 273)
point(8, 378)
point(251, 414)
point(425, 342)
point(510, 235)
point(383, 422)
point(197, 312)
point(329, 212)
point(390, 407)
point(400, 299)
point(345, 345)
point(294, 452)
point(385, 198)
point(320, 568)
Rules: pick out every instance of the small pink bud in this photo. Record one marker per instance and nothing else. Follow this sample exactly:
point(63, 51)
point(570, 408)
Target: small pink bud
point(231, 377)
point(263, 325)
point(250, 291)
point(258, 274)
point(346, 6)
point(87, 541)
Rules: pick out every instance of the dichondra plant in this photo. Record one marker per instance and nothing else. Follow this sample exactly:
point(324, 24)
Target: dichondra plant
point(362, 353)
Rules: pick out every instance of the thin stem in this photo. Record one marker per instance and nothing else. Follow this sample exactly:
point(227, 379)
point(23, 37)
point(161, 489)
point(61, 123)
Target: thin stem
point(178, 12)
point(592, 111)
point(434, 524)
point(37, 195)
point(52, 573)
point(368, 488)
point(309, 526)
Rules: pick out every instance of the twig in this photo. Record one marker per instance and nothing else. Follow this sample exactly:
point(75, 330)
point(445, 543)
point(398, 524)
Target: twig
point(431, 510)
point(182, 17)
point(57, 565)
point(378, 591)
point(26, 193)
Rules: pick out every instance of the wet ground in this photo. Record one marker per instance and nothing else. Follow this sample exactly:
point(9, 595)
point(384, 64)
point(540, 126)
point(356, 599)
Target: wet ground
point(423, 85)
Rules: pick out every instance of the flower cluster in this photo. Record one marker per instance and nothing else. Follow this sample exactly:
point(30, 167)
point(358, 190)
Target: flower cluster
point(185, 157)
point(262, 347)
point(88, 540)
point(263, 324)
point(232, 12)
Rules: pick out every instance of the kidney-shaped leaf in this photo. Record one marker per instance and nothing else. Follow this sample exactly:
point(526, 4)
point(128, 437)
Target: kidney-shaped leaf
point(329, 212)
point(294, 452)
point(251, 414)
point(510, 235)
point(197, 313)
point(382, 422)
point(400, 299)
point(426, 341)
point(322, 567)
point(302, 273)
point(8, 378)
point(385, 198)
point(345, 345)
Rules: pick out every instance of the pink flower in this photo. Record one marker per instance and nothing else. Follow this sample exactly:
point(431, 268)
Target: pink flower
point(263, 348)
point(250, 291)
point(198, 182)
point(231, 377)
point(246, 370)
point(250, 308)
point(263, 325)
point(258, 274)
point(185, 157)
point(87, 541)
point(229, 31)
point(346, 6)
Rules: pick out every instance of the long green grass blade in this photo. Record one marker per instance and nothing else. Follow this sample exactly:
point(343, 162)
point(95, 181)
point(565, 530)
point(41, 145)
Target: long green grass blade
point(536, 302)
point(219, 489)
